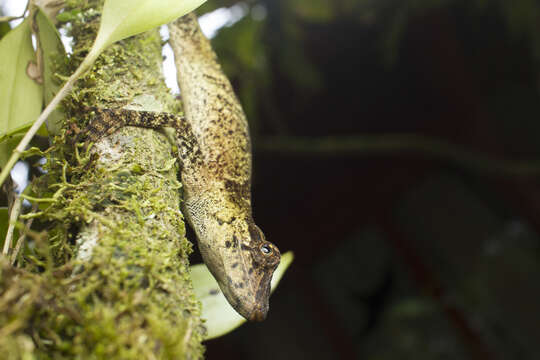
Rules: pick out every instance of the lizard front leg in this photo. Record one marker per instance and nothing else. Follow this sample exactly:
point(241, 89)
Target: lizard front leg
point(106, 121)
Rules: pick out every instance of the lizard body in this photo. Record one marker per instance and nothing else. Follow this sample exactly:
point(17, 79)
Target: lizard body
point(215, 156)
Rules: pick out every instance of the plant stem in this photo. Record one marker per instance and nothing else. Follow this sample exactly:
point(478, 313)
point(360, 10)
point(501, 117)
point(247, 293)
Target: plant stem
point(13, 215)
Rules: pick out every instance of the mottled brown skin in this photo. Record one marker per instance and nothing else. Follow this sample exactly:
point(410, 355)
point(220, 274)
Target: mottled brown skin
point(215, 155)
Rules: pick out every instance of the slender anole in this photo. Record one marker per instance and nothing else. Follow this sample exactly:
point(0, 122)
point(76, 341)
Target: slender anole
point(215, 154)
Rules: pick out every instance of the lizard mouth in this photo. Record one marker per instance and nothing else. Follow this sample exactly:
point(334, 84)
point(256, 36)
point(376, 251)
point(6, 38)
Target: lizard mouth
point(258, 314)
point(262, 299)
point(252, 306)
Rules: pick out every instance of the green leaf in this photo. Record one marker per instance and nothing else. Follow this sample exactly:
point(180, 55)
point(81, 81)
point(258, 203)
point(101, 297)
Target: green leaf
point(220, 317)
point(67, 16)
point(21, 100)
point(51, 49)
point(121, 19)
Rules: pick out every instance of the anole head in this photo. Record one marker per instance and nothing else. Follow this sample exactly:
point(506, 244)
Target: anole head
point(241, 260)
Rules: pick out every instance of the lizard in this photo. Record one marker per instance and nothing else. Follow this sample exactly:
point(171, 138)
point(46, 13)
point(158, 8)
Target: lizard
point(214, 151)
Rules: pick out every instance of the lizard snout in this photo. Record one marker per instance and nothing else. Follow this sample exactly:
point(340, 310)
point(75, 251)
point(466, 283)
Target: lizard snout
point(259, 313)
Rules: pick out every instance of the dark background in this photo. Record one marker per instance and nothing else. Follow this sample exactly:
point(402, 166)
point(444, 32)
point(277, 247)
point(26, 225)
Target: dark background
point(406, 247)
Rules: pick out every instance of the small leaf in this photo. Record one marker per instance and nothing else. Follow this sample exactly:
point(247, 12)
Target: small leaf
point(51, 49)
point(21, 100)
point(121, 19)
point(220, 317)
point(67, 16)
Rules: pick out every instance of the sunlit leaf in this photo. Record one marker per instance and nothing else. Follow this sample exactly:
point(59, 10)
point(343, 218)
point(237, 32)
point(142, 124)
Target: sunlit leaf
point(21, 100)
point(220, 317)
point(121, 19)
point(51, 49)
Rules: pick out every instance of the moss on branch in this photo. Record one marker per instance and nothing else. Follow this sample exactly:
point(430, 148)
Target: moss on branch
point(107, 276)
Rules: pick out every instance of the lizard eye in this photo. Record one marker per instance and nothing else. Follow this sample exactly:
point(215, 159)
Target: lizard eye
point(266, 249)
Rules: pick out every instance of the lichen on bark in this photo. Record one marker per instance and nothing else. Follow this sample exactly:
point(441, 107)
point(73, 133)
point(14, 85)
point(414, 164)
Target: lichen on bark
point(109, 278)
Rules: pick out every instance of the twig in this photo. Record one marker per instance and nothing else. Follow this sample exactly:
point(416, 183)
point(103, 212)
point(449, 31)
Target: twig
point(10, 18)
point(38, 200)
point(13, 216)
point(20, 240)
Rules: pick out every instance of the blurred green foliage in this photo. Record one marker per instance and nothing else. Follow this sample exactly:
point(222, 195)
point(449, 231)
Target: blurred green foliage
point(277, 43)
point(303, 53)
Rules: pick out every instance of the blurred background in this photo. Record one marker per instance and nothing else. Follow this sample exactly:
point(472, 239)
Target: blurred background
point(396, 152)
point(396, 149)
